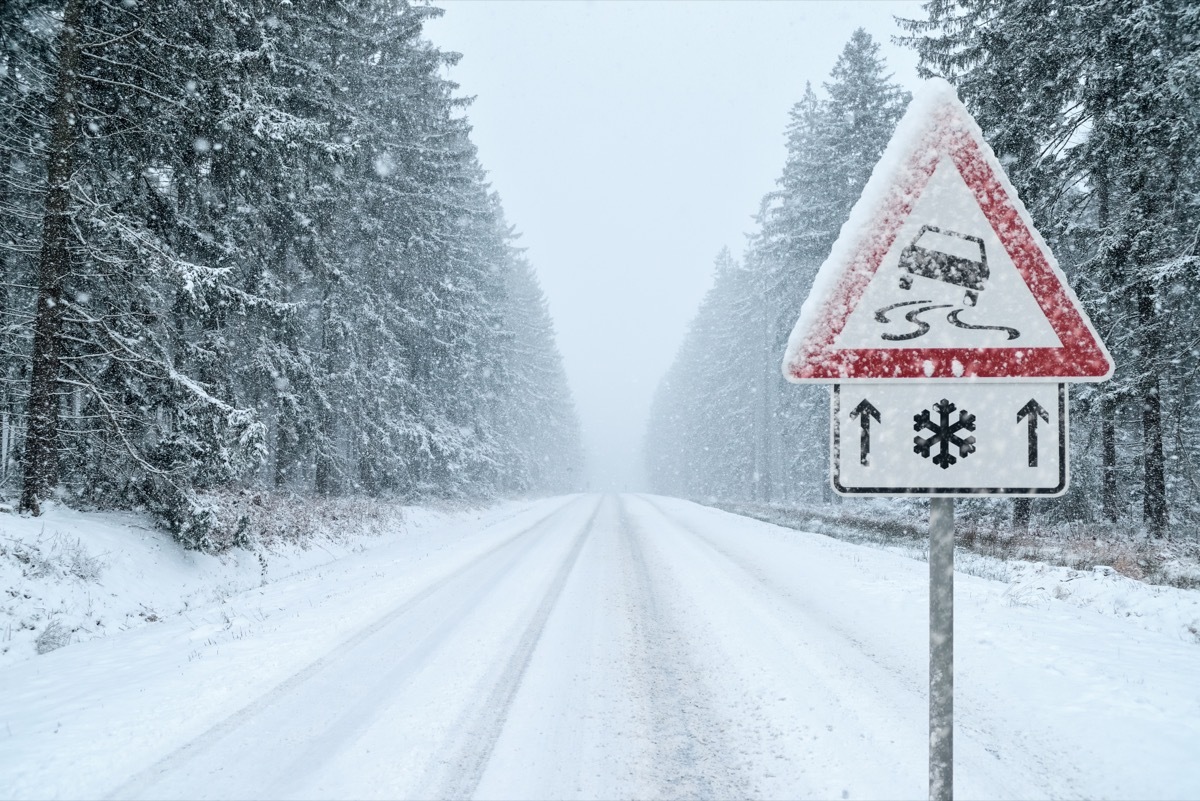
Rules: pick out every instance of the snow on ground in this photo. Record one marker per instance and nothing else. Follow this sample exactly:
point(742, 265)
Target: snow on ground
point(616, 646)
point(1101, 590)
point(1051, 699)
point(1104, 591)
point(72, 576)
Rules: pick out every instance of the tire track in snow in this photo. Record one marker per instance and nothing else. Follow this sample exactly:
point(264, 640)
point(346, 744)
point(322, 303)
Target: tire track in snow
point(461, 773)
point(415, 655)
point(972, 718)
point(179, 758)
point(819, 688)
point(689, 756)
point(777, 590)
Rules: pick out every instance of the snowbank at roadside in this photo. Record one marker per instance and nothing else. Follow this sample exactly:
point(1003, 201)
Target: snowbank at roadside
point(70, 576)
point(1106, 589)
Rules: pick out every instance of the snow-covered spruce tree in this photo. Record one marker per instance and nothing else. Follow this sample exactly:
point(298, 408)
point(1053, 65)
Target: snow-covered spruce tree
point(383, 250)
point(725, 422)
point(731, 405)
point(1094, 109)
point(302, 235)
point(294, 155)
point(386, 253)
point(267, 168)
point(832, 146)
point(111, 414)
point(345, 125)
point(446, 300)
point(535, 415)
point(700, 441)
point(797, 224)
point(28, 42)
point(452, 293)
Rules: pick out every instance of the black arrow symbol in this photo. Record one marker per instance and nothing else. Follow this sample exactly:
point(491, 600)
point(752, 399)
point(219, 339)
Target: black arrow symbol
point(865, 411)
point(1033, 410)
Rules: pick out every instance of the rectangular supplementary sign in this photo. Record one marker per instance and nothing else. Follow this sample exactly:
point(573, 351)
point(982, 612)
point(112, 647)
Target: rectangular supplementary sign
point(946, 438)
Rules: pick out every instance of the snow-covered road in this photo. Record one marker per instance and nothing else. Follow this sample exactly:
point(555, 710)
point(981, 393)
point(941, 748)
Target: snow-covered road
point(606, 647)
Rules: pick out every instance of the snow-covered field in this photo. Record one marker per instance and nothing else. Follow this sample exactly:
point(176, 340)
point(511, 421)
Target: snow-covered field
point(585, 646)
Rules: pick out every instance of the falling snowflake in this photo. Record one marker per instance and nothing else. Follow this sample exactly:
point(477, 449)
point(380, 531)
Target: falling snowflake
point(385, 165)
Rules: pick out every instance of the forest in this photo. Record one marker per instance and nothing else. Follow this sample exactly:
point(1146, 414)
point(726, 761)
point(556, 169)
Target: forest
point(1094, 111)
point(249, 246)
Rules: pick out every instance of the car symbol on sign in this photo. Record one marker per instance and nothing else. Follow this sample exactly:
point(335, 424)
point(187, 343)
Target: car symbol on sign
point(948, 256)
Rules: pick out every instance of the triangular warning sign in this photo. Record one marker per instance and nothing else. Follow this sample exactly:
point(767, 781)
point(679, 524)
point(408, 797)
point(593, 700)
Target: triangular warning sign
point(939, 273)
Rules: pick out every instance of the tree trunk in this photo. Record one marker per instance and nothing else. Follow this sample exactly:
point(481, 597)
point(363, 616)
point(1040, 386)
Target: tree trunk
point(325, 456)
point(1108, 457)
point(287, 418)
point(1022, 507)
point(326, 475)
point(8, 277)
point(762, 412)
point(1108, 401)
point(54, 264)
point(287, 444)
point(1154, 500)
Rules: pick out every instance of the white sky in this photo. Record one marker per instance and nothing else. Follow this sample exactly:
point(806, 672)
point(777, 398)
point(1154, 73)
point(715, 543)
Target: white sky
point(630, 142)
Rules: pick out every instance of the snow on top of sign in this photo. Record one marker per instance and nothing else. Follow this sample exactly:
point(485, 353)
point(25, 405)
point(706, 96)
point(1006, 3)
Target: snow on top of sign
point(876, 196)
point(912, 126)
point(932, 125)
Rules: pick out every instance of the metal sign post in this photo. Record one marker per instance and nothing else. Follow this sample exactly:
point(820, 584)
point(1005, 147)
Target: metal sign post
point(941, 649)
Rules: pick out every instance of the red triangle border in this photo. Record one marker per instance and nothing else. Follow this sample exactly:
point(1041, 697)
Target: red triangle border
point(1081, 357)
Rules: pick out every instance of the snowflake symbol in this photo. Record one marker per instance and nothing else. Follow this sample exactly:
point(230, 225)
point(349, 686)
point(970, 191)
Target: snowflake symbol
point(945, 434)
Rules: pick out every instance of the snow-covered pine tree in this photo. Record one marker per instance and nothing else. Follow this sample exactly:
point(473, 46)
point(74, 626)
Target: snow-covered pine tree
point(398, 281)
point(302, 236)
point(725, 424)
point(106, 385)
point(1093, 109)
point(700, 440)
point(797, 224)
point(536, 419)
point(832, 146)
point(26, 40)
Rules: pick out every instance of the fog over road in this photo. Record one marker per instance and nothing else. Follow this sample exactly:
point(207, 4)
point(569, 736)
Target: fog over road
point(608, 646)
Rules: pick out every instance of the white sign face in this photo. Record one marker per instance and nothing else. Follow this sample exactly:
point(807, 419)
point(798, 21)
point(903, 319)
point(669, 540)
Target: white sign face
point(910, 438)
point(947, 282)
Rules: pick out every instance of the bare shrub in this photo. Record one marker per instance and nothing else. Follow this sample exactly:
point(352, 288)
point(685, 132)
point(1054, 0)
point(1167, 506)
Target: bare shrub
point(53, 637)
point(253, 519)
point(77, 562)
point(61, 558)
point(1080, 546)
point(34, 562)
